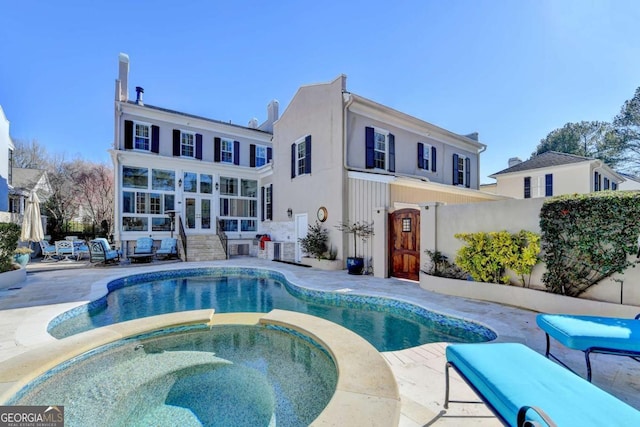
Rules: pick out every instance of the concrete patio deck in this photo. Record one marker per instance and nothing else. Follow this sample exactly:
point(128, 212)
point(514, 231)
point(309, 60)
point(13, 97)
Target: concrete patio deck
point(52, 288)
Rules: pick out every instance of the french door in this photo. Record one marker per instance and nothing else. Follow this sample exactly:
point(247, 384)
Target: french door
point(198, 213)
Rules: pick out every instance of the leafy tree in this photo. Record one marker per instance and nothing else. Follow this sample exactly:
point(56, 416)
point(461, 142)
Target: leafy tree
point(315, 242)
point(598, 140)
point(627, 124)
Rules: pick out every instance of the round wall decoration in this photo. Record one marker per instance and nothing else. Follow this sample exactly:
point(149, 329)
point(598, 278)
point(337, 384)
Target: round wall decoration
point(322, 214)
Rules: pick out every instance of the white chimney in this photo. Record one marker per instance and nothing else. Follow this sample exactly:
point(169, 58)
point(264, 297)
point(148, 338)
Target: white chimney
point(514, 161)
point(122, 84)
point(272, 116)
point(473, 135)
point(253, 123)
point(272, 111)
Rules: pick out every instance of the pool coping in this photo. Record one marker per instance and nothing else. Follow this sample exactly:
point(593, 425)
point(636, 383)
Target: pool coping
point(366, 391)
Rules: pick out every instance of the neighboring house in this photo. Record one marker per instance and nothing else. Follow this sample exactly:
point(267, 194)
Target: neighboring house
point(631, 182)
point(24, 182)
point(6, 164)
point(552, 174)
point(343, 157)
point(200, 171)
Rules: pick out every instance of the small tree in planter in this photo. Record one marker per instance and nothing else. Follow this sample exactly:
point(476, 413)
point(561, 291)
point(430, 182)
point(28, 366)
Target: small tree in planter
point(315, 242)
point(362, 230)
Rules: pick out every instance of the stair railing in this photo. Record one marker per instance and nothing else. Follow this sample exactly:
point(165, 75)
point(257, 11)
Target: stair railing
point(223, 237)
point(183, 236)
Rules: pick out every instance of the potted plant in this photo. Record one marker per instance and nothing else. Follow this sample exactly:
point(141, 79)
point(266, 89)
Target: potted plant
point(362, 230)
point(22, 255)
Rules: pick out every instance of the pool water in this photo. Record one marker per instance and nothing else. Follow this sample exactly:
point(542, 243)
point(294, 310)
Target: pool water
point(228, 375)
point(387, 324)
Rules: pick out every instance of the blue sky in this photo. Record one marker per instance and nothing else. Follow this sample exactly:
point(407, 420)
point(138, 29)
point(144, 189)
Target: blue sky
point(511, 70)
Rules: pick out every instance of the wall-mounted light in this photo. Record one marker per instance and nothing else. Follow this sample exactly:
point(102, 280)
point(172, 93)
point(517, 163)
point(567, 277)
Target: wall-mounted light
point(289, 212)
point(180, 182)
point(217, 186)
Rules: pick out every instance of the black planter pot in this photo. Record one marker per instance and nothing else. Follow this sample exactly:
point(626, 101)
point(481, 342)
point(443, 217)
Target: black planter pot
point(355, 265)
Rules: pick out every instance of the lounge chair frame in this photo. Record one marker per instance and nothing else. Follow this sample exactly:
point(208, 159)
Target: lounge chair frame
point(635, 355)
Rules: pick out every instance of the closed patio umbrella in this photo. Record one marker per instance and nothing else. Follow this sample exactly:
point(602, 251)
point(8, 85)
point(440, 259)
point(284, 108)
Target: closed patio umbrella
point(32, 223)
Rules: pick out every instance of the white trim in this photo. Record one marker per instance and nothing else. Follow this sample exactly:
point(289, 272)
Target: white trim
point(177, 120)
point(374, 177)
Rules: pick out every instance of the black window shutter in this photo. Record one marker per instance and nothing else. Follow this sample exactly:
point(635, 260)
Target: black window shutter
point(176, 142)
point(433, 159)
point(467, 172)
point(271, 210)
point(128, 135)
point(269, 154)
point(252, 155)
point(391, 165)
point(606, 183)
point(236, 152)
point(198, 146)
point(264, 203)
point(527, 187)
point(455, 169)
point(155, 139)
point(420, 155)
point(548, 185)
point(369, 147)
point(293, 160)
point(307, 160)
point(216, 149)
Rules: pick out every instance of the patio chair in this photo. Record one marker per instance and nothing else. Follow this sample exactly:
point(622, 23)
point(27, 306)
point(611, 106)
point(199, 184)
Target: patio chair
point(65, 249)
point(592, 334)
point(48, 251)
point(168, 248)
point(100, 251)
point(523, 388)
point(81, 250)
point(143, 250)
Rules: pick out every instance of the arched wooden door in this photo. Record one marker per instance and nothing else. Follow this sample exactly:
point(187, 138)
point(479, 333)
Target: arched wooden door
point(404, 243)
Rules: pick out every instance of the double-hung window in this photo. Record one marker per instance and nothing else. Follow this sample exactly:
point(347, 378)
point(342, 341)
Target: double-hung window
point(426, 157)
point(461, 170)
point(527, 187)
point(301, 157)
point(261, 155)
point(379, 149)
point(187, 144)
point(142, 136)
point(226, 151)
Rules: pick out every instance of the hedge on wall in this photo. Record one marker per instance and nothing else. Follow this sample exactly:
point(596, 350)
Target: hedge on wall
point(588, 237)
point(9, 235)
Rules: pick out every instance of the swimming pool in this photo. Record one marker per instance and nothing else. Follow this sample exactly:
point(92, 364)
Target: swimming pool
point(387, 324)
point(241, 375)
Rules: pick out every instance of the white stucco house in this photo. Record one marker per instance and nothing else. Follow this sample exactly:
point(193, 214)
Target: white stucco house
point(6, 164)
point(341, 157)
point(206, 174)
point(553, 173)
point(333, 156)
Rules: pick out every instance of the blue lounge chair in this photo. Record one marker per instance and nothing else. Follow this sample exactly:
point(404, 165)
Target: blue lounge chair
point(143, 250)
point(168, 248)
point(592, 334)
point(522, 388)
point(100, 251)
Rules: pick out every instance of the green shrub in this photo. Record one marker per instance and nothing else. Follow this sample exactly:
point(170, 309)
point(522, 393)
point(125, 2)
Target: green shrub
point(315, 242)
point(440, 266)
point(588, 237)
point(9, 235)
point(488, 256)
